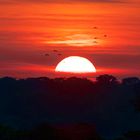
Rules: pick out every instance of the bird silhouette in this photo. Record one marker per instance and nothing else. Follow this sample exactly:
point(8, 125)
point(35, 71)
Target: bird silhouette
point(95, 37)
point(46, 54)
point(55, 50)
point(95, 42)
point(95, 27)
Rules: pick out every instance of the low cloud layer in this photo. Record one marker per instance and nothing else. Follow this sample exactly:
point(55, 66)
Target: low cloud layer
point(57, 1)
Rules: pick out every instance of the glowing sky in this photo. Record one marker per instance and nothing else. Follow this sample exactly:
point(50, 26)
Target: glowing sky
point(29, 29)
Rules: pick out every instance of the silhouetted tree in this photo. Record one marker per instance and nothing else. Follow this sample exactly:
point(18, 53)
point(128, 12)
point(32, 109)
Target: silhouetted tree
point(6, 133)
point(132, 135)
point(135, 84)
point(130, 81)
point(106, 80)
point(106, 101)
point(78, 131)
point(43, 132)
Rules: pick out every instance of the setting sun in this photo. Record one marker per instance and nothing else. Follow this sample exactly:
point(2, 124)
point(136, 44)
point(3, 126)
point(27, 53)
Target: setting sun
point(75, 64)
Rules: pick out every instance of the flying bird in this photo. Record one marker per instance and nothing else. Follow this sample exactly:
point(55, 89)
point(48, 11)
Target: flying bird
point(95, 37)
point(95, 27)
point(95, 42)
point(55, 50)
point(105, 35)
point(46, 54)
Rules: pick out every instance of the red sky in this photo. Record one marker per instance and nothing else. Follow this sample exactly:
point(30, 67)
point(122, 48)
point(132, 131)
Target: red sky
point(30, 29)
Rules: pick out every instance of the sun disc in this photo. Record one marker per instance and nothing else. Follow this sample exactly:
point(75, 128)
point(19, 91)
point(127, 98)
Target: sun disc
point(75, 64)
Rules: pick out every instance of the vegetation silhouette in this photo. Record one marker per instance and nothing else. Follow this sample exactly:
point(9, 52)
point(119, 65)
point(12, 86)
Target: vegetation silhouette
point(36, 108)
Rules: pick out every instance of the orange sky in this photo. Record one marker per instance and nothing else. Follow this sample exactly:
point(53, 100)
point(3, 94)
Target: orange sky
point(29, 29)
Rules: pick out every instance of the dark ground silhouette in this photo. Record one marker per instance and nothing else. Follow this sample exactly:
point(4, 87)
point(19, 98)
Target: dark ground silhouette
point(70, 108)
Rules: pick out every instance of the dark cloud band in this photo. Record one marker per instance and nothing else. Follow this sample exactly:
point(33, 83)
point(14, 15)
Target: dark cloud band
point(57, 1)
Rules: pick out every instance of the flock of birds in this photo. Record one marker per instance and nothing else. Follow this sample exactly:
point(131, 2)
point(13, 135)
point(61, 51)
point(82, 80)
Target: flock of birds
point(59, 54)
point(105, 35)
point(55, 51)
point(97, 28)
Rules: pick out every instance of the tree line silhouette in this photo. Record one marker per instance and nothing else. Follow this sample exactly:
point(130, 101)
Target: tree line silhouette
point(36, 108)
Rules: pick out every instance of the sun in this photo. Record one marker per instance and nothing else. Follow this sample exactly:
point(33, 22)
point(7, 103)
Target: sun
point(75, 64)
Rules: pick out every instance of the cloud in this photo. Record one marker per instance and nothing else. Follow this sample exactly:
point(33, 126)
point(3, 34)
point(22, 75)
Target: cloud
point(121, 61)
point(58, 1)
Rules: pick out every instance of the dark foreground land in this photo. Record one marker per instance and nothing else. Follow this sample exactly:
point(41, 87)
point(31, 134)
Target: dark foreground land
point(70, 108)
